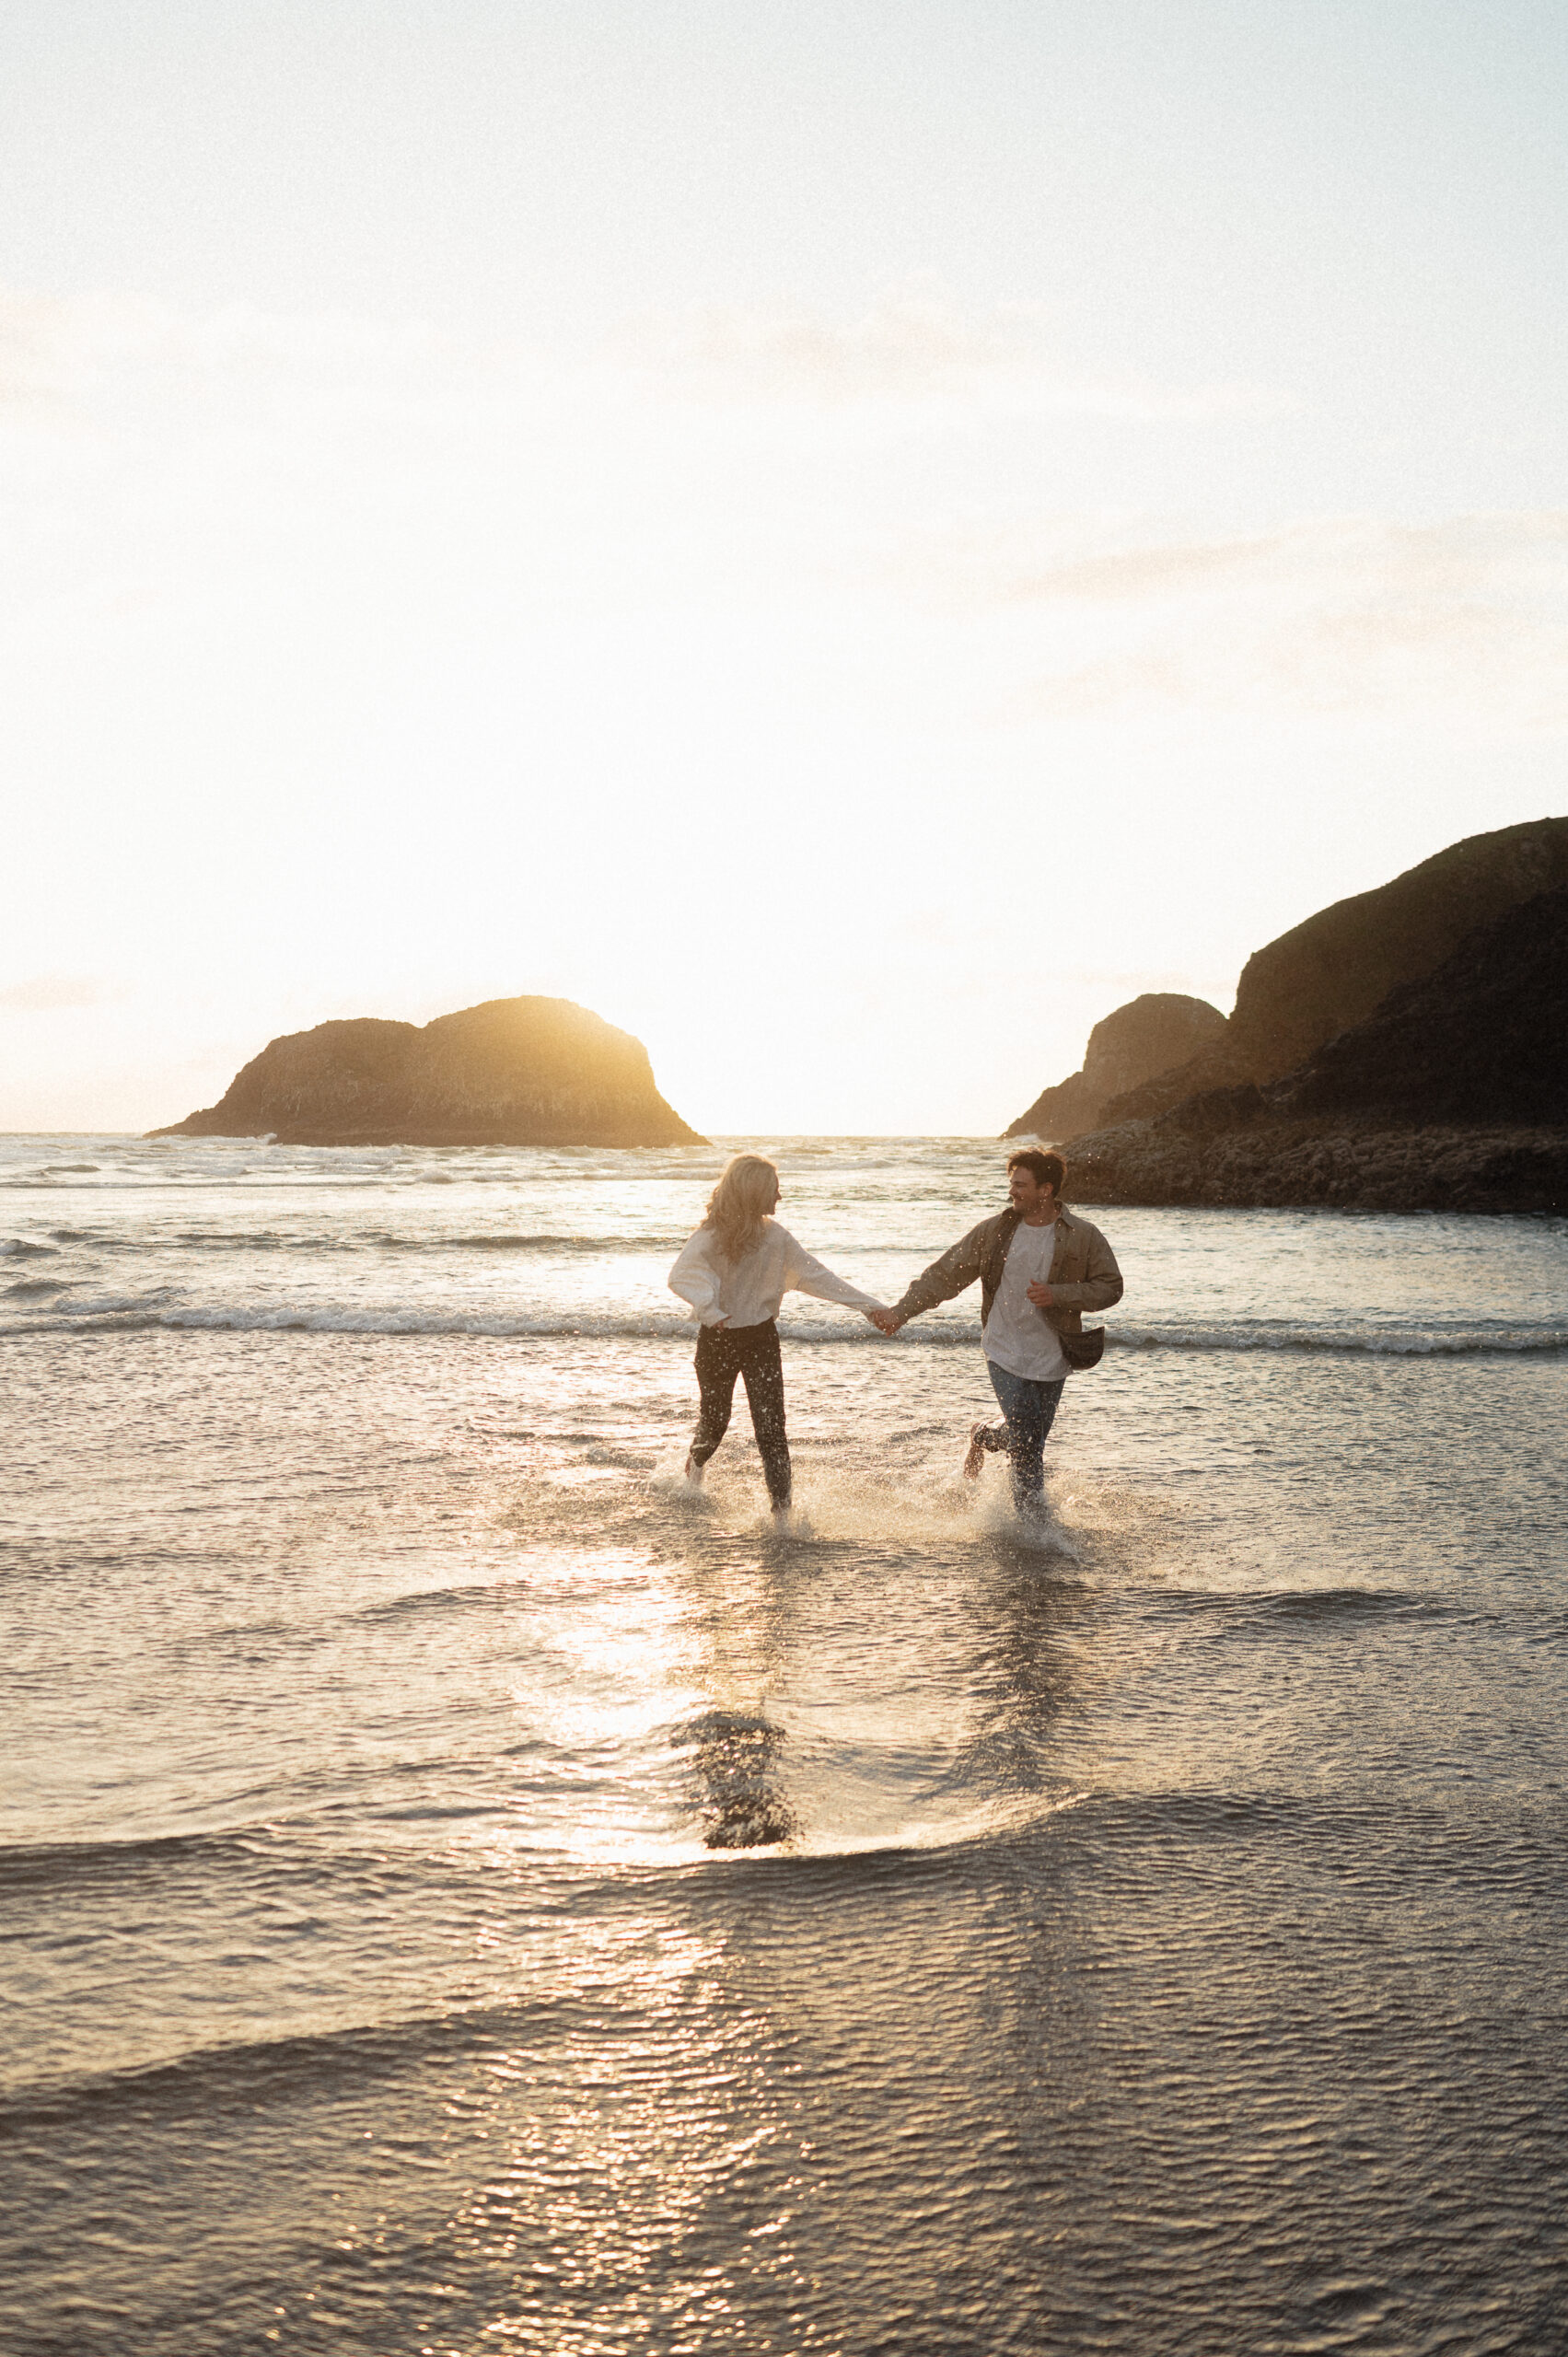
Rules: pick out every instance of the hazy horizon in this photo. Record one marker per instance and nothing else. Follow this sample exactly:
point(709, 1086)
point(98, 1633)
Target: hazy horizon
point(850, 543)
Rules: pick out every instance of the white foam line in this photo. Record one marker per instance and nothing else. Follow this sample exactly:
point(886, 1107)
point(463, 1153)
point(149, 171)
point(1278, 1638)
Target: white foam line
point(120, 1312)
point(1373, 1341)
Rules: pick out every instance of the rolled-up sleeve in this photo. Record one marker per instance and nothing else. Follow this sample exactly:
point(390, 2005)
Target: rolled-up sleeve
point(696, 1281)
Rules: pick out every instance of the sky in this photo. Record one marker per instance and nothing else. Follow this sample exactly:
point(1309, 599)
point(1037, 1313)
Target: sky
point(851, 537)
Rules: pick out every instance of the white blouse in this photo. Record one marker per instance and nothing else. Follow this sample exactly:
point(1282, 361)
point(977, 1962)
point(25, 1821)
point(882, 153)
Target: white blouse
point(750, 1292)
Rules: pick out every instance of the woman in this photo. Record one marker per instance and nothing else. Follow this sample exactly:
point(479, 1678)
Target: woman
point(734, 1273)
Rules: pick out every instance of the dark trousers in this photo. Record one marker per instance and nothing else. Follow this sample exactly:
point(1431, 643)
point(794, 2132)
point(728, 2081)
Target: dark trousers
point(753, 1352)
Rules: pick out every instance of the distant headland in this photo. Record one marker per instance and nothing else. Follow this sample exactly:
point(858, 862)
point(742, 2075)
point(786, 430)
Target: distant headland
point(513, 1071)
point(1405, 1050)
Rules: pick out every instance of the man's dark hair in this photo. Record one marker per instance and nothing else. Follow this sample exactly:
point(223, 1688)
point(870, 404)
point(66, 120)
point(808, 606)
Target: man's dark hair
point(1049, 1169)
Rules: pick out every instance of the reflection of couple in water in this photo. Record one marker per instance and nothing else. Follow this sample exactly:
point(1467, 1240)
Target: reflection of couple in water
point(1040, 1268)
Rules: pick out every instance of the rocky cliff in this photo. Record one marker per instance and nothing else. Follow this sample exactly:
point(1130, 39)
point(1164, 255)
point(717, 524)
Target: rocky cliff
point(513, 1071)
point(1330, 972)
point(1452, 1096)
point(1484, 1039)
point(1145, 1036)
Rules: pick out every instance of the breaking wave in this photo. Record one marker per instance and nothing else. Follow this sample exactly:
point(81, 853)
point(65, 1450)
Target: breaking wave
point(122, 1313)
point(1375, 1341)
point(312, 1244)
point(127, 1314)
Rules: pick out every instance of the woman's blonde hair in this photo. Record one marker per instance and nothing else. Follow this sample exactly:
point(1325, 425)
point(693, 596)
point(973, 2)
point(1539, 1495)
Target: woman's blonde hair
point(740, 1205)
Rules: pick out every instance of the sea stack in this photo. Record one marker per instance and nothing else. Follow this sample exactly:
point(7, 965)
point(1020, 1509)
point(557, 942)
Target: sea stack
point(1404, 1049)
point(1335, 970)
point(1451, 1096)
point(1147, 1037)
point(513, 1071)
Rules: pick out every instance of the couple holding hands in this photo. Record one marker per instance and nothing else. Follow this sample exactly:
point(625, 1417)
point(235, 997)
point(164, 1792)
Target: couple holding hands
point(1039, 1266)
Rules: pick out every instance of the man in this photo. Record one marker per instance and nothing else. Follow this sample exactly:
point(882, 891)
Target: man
point(1040, 1268)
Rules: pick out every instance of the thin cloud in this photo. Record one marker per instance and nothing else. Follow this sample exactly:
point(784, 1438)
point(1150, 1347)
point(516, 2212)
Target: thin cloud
point(906, 360)
point(1141, 574)
point(48, 994)
point(901, 350)
point(1341, 615)
point(680, 463)
point(76, 346)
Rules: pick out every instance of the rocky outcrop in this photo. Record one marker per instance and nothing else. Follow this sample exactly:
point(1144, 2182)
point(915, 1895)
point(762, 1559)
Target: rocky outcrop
point(1453, 1096)
point(1347, 1166)
point(1484, 1039)
point(513, 1071)
point(1329, 973)
point(1145, 1036)
point(1214, 1067)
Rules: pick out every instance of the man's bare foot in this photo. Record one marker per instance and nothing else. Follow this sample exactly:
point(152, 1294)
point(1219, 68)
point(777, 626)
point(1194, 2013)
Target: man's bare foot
point(694, 1473)
point(974, 1457)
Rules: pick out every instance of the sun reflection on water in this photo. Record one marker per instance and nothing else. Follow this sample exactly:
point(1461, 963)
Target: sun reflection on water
point(619, 2148)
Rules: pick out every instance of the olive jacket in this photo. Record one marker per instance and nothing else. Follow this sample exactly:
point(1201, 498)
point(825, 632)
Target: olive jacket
point(1084, 1275)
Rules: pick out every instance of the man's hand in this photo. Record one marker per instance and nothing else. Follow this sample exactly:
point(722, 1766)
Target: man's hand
point(1040, 1296)
point(887, 1321)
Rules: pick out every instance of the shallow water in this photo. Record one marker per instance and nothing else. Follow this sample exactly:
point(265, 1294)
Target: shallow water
point(462, 1893)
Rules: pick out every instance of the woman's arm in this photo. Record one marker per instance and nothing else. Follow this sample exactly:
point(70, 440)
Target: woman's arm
point(805, 1274)
point(696, 1280)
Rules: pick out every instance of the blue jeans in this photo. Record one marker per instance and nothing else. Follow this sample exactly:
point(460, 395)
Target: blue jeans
point(1030, 1410)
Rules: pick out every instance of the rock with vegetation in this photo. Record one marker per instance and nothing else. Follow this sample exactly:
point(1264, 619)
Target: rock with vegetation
point(1145, 1036)
point(513, 1071)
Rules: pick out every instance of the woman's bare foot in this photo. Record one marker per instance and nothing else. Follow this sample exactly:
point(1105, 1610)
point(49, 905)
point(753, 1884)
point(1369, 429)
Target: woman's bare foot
point(694, 1473)
point(975, 1456)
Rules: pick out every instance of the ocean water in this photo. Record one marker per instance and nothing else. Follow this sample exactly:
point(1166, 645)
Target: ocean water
point(464, 1894)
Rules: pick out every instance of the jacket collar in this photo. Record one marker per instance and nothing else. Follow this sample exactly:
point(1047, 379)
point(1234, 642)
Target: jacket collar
point(1014, 1218)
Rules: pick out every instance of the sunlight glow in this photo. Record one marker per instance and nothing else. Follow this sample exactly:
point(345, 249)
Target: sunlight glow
point(851, 678)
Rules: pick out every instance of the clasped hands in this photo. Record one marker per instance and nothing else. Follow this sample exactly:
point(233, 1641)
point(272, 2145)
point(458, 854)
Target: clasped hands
point(888, 1321)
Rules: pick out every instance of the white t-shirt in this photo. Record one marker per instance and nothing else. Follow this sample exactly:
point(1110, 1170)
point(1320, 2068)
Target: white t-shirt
point(1016, 1334)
